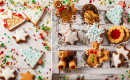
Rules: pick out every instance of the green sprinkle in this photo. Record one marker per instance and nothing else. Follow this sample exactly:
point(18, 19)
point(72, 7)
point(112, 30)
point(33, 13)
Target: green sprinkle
point(47, 35)
point(39, 71)
point(63, 11)
point(30, 47)
point(40, 19)
point(122, 75)
point(15, 10)
point(40, 9)
point(67, 16)
point(39, 77)
point(126, 71)
point(36, 13)
point(33, 25)
point(8, 36)
point(8, 41)
point(129, 75)
point(4, 60)
point(5, 0)
point(20, 8)
point(7, 5)
point(110, 2)
point(44, 60)
point(7, 56)
point(92, 58)
point(42, 66)
point(2, 45)
point(92, 61)
point(35, 49)
point(93, 55)
point(4, 33)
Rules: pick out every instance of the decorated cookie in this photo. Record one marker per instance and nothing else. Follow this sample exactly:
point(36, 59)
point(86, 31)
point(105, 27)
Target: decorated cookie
point(117, 59)
point(26, 76)
point(1, 2)
point(115, 14)
point(71, 36)
point(7, 74)
point(33, 15)
point(94, 33)
point(66, 12)
point(116, 34)
point(90, 17)
point(124, 51)
point(88, 7)
point(64, 28)
point(11, 20)
point(32, 57)
point(94, 54)
point(20, 36)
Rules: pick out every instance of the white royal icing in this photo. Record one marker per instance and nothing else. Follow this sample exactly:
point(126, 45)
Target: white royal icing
point(23, 20)
point(64, 28)
point(94, 33)
point(7, 73)
point(71, 37)
point(20, 35)
point(34, 15)
point(123, 51)
point(115, 59)
point(9, 15)
point(115, 14)
point(31, 56)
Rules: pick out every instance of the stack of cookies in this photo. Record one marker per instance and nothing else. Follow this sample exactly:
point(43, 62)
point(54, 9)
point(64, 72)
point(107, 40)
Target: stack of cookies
point(66, 57)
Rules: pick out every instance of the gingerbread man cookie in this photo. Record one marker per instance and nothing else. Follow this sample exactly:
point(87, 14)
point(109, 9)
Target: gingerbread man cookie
point(66, 12)
point(94, 54)
point(27, 76)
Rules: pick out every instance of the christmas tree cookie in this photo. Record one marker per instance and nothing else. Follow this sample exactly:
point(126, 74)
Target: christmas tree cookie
point(11, 20)
point(32, 57)
point(115, 14)
point(33, 15)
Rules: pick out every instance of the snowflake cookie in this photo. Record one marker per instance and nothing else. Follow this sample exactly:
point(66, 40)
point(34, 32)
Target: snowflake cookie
point(7, 74)
point(71, 36)
point(20, 36)
point(11, 20)
point(32, 57)
point(94, 33)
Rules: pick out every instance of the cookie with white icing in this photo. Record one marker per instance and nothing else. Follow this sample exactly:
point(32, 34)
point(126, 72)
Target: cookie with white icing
point(20, 36)
point(7, 74)
point(33, 15)
point(71, 36)
point(115, 14)
point(32, 57)
point(124, 51)
point(11, 20)
point(117, 60)
point(64, 28)
point(94, 33)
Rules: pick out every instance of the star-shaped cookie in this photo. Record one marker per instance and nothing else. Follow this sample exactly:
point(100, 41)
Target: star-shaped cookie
point(125, 52)
point(64, 28)
point(104, 56)
point(71, 36)
point(20, 36)
point(26, 76)
point(7, 73)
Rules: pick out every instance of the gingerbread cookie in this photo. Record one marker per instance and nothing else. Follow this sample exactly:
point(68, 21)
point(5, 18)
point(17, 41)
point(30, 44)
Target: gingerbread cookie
point(32, 57)
point(94, 54)
point(33, 15)
point(117, 60)
point(71, 36)
point(64, 28)
point(115, 14)
point(124, 51)
point(94, 33)
point(118, 34)
point(89, 13)
point(7, 74)
point(26, 76)
point(11, 20)
point(66, 12)
point(20, 36)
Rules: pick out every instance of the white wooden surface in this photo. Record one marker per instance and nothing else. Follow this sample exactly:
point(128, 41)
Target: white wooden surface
point(89, 73)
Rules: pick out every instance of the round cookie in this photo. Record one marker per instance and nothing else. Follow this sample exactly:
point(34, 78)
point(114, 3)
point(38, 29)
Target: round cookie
point(116, 34)
point(126, 33)
point(90, 17)
point(88, 7)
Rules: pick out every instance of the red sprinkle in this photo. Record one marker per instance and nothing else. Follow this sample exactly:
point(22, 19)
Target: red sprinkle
point(35, 39)
point(16, 53)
